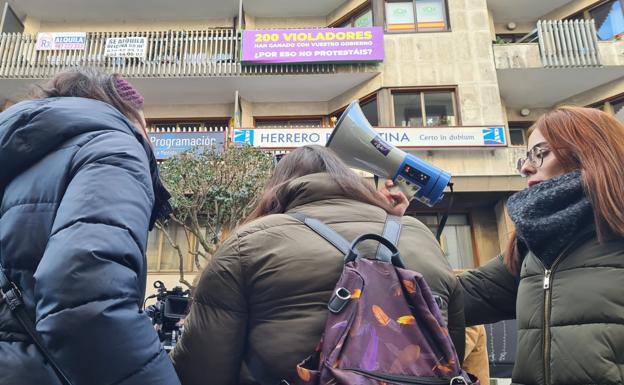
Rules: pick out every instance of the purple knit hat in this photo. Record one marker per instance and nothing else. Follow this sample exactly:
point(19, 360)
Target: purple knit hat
point(129, 93)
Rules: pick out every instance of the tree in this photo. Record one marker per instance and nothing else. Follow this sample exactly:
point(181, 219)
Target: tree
point(212, 192)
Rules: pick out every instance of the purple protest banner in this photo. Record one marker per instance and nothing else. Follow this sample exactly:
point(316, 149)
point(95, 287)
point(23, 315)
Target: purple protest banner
point(275, 46)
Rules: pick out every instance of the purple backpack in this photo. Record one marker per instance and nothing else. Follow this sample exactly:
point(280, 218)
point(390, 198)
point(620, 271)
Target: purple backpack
point(384, 326)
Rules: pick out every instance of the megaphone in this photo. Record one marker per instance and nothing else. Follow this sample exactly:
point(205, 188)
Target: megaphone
point(356, 142)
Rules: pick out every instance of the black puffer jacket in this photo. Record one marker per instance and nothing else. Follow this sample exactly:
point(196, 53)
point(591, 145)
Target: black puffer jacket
point(77, 197)
point(570, 317)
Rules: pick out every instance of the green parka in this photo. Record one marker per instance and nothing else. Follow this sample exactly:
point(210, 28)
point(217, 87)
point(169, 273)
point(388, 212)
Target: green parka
point(570, 317)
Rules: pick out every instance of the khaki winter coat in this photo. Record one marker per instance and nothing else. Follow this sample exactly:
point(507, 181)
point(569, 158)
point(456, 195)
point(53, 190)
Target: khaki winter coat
point(264, 296)
point(476, 360)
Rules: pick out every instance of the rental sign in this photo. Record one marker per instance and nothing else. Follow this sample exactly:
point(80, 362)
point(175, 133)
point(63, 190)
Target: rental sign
point(318, 45)
point(404, 137)
point(48, 41)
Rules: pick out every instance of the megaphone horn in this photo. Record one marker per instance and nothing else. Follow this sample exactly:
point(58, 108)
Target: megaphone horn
point(357, 143)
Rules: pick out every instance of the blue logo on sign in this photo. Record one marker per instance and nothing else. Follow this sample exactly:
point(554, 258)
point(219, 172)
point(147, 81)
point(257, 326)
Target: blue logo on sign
point(494, 136)
point(244, 136)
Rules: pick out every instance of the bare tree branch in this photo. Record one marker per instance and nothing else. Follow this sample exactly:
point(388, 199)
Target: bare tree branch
point(179, 251)
point(211, 193)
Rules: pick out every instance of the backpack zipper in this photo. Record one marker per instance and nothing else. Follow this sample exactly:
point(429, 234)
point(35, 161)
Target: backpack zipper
point(408, 379)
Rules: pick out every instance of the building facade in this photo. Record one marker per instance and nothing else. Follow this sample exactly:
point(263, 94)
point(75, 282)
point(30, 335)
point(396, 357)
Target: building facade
point(448, 68)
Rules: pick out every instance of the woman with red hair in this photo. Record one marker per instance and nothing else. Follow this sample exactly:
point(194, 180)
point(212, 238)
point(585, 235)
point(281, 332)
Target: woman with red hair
point(562, 275)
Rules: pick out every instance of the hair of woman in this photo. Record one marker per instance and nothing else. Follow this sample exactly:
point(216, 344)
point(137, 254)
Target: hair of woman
point(92, 84)
point(306, 160)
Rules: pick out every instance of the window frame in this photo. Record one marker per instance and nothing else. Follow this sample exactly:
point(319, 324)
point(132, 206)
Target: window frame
point(363, 100)
point(590, 8)
point(606, 104)
point(354, 14)
point(422, 90)
point(189, 264)
point(321, 118)
point(588, 15)
point(447, 18)
point(476, 259)
point(524, 126)
point(585, 12)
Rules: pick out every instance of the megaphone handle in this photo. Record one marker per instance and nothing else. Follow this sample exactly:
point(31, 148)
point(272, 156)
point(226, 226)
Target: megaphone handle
point(446, 214)
point(401, 185)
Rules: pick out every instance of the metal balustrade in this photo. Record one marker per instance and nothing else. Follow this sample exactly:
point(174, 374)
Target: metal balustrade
point(568, 43)
point(211, 52)
point(173, 128)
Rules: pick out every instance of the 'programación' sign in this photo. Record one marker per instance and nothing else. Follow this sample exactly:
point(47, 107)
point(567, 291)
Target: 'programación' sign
point(169, 144)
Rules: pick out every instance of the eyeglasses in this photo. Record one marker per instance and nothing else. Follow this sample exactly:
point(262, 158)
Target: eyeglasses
point(535, 156)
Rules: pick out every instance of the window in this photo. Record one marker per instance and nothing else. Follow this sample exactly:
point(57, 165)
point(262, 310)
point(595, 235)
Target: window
point(518, 133)
point(456, 239)
point(618, 108)
point(613, 105)
point(360, 20)
point(161, 256)
point(609, 17)
point(9, 21)
point(516, 137)
point(369, 108)
point(289, 122)
point(507, 38)
point(424, 108)
point(416, 16)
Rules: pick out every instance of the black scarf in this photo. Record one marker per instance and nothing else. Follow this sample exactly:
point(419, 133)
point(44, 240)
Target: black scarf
point(549, 215)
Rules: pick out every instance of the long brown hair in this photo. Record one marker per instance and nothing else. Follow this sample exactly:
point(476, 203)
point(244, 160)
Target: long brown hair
point(592, 141)
point(87, 83)
point(310, 160)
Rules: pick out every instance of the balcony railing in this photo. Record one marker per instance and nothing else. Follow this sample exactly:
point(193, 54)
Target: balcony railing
point(569, 43)
point(558, 44)
point(162, 129)
point(212, 52)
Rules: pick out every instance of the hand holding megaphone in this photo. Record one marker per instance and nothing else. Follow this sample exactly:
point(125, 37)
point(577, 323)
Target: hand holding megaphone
point(395, 197)
point(356, 142)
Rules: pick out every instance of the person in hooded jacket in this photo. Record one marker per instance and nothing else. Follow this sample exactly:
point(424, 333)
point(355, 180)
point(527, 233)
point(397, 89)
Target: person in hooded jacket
point(79, 189)
point(562, 274)
point(260, 306)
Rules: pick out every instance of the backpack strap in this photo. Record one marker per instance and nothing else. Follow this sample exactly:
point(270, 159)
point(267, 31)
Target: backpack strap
point(392, 232)
point(324, 231)
point(11, 294)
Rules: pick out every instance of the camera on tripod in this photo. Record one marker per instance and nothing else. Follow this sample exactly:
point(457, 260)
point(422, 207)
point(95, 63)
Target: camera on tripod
point(168, 312)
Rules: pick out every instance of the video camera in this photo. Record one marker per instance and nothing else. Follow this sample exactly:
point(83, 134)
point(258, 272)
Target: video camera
point(168, 312)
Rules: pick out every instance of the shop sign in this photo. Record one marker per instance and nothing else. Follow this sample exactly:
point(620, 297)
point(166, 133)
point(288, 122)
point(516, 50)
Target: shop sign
point(168, 144)
point(409, 137)
point(126, 47)
point(318, 45)
point(61, 41)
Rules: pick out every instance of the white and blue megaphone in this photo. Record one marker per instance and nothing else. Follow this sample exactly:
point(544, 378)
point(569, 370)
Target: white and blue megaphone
point(357, 143)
